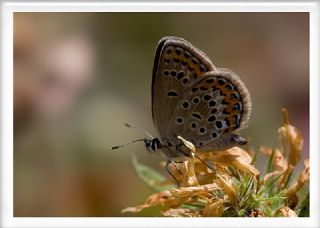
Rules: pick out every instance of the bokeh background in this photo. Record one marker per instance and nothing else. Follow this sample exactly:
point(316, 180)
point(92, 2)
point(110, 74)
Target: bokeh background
point(78, 77)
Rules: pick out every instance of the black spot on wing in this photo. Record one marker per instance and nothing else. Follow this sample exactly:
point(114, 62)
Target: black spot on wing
point(172, 93)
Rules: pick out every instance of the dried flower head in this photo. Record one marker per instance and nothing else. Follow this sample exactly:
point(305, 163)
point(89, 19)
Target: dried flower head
point(213, 208)
point(285, 212)
point(226, 183)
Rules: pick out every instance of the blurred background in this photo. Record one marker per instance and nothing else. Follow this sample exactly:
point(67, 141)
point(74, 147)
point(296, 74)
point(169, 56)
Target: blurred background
point(78, 77)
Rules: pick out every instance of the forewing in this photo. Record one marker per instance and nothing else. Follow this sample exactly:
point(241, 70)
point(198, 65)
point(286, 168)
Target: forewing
point(177, 65)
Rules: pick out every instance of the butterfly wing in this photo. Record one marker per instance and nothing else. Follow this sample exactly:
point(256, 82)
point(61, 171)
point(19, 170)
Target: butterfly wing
point(194, 99)
point(215, 107)
point(177, 65)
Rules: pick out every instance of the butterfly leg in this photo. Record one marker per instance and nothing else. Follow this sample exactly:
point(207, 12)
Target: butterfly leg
point(178, 148)
point(170, 173)
point(205, 163)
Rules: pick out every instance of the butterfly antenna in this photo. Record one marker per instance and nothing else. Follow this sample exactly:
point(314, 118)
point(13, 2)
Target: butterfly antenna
point(133, 141)
point(139, 129)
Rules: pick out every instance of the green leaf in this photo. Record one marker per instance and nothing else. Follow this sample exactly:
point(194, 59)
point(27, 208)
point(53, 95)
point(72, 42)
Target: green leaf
point(192, 206)
point(288, 180)
point(303, 207)
point(151, 177)
point(254, 157)
point(269, 187)
point(148, 212)
point(272, 198)
point(270, 162)
point(241, 213)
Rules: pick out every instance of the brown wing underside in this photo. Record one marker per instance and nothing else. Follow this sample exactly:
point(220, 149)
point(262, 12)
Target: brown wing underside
point(177, 65)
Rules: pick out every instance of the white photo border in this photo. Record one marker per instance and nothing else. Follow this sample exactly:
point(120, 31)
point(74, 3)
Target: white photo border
point(6, 201)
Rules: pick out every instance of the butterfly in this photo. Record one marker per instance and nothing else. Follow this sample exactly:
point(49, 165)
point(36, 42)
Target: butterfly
point(195, 100)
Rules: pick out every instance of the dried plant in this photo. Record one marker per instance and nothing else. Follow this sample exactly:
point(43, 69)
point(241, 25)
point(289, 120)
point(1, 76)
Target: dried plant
point(233, 187)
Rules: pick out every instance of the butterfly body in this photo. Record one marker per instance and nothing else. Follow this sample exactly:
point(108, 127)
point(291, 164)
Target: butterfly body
point(194, 99)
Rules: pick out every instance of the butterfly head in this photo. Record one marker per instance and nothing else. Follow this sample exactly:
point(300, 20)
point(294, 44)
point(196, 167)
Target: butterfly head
point(153, 145)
